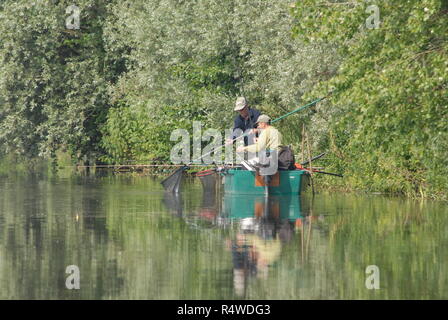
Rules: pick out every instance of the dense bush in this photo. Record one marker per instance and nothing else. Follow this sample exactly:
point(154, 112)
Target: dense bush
point(202, 55)
point(53, 80)
point(390, 131)
point(136, 69)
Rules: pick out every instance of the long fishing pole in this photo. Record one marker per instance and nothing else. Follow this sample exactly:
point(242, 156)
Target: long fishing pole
point(172, 182)
point(273, 121)
point(299, 109)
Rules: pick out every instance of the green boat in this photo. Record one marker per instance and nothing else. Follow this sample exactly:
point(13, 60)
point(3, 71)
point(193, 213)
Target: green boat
point(291, 182)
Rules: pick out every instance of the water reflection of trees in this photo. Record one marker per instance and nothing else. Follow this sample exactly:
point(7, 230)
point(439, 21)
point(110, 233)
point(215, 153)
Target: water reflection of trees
point(47, 225)
point(129, 244)
point(323, 252)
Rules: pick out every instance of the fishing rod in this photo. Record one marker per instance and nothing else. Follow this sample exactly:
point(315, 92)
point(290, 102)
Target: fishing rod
point(300, 108)
point(273, 121)
point(312, 159)
point(172, 182)
point(313, 170)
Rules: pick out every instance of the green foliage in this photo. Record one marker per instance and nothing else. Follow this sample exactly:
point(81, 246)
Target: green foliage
point(115, 89)
point(390, 131)
point(136, 134)
point(202, 55)
point(52, 79)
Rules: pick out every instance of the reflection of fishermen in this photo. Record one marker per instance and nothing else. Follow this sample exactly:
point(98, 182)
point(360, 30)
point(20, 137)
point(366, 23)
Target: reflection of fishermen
point(253, 251)
point(246, 119)
point(267, 251)
point(243, 263)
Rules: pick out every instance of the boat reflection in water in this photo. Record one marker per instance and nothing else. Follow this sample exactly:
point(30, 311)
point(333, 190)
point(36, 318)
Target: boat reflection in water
point(258, 229)
point(263, 226)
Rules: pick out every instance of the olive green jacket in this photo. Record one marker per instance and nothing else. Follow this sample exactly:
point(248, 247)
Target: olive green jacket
point(270, 139)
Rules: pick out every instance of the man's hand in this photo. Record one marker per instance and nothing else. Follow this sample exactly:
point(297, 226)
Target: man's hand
point(229, 141)
point(240, 149)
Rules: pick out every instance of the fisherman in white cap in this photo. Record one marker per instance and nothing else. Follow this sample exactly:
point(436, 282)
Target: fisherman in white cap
point(267, 147)
point(270, 138)
point(246, 120)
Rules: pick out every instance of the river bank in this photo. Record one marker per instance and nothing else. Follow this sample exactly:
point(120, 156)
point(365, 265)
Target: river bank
point(65, 168)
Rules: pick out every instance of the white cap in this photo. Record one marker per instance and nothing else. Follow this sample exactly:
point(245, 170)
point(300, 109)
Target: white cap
point(240, 104)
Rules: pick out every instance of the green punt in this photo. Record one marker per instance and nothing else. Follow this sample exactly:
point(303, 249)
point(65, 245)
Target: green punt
point(237, 181)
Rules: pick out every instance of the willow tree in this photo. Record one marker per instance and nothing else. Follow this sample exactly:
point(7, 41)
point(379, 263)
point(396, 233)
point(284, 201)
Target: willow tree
point(390, 92)
point(53, 75)
point(189, 60)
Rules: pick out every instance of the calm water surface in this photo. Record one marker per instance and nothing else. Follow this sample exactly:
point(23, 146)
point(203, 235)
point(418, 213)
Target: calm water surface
point(132, 241)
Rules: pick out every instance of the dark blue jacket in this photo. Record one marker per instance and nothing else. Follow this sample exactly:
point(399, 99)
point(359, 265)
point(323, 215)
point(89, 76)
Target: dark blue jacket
point(243, 124)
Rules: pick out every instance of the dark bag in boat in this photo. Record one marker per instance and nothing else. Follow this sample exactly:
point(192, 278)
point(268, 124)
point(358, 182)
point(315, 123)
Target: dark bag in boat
point(286, 158)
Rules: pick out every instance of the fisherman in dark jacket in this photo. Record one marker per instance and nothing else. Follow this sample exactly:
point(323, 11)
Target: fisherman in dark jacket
point(246, 120)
